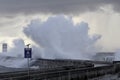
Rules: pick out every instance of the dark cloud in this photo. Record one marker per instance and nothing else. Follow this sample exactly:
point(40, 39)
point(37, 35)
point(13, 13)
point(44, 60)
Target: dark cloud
point(54, 6)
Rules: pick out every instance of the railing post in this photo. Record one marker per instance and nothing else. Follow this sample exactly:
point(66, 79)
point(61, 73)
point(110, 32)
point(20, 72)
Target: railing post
point(69, 75)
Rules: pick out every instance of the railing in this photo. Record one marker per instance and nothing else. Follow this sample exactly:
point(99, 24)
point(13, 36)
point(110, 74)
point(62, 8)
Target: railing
point(72, 74)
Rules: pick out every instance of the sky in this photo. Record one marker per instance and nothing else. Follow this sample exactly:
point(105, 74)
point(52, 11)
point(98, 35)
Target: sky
point(103, 17)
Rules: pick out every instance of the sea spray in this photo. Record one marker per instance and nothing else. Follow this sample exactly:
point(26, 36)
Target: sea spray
point(56, 38)
point(60, 38)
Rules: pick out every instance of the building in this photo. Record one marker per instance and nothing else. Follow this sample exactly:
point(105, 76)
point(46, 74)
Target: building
point(105, 56)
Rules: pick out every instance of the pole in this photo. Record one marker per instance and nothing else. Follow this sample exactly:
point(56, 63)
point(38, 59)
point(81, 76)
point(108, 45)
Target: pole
point(28, 69)
point(28, 56)
point(28, 65)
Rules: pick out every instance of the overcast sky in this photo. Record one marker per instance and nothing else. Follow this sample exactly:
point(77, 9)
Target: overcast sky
point(103, 16)
point(54, 6)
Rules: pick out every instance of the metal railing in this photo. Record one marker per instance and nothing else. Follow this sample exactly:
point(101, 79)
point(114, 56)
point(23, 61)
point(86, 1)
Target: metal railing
point(83, 73)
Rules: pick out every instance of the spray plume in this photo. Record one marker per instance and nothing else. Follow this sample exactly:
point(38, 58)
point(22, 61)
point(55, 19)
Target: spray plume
point(58, 37)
